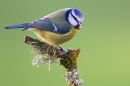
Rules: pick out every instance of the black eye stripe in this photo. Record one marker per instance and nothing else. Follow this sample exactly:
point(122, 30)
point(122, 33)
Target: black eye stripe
point(78, 25)
point(75, 18)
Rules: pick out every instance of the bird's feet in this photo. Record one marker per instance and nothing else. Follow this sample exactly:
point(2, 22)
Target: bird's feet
point(61, 51)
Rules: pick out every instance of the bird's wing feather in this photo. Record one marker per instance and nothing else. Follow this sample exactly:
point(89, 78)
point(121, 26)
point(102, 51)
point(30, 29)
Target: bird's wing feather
point(47, 24)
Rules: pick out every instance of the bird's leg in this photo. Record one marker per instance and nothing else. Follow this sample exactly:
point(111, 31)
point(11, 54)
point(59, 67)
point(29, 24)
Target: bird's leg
point(62, 51)
point(61, 48)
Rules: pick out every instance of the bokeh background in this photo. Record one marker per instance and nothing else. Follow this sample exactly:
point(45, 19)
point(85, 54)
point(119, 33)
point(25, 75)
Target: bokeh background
point(104, 40)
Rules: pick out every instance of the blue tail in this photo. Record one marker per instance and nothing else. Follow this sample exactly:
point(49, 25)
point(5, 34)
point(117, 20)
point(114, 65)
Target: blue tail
point(25, 25)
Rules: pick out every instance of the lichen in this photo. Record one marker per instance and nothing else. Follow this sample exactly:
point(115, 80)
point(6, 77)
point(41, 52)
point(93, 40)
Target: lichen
point(48, 54)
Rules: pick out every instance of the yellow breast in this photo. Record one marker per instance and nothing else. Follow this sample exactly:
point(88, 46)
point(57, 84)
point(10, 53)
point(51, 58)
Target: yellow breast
point(54, 38)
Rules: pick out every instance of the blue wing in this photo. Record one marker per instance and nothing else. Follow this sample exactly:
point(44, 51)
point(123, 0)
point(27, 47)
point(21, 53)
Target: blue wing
point(60, 27)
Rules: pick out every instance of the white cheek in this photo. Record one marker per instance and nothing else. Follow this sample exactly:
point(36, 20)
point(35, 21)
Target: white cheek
point(72, 21)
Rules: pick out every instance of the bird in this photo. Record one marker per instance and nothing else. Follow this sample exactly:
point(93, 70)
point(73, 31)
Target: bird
point(55, 28)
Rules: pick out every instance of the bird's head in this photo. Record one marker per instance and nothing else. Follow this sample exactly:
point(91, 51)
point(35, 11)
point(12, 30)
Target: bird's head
point(74, 17)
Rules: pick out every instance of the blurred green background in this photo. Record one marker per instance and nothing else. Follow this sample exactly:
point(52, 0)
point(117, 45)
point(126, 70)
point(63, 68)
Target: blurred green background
point(104, 40)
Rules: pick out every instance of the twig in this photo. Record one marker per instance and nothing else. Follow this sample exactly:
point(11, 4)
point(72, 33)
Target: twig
point(49, 54)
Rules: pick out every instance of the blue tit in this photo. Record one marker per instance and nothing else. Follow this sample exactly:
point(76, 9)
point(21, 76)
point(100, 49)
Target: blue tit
point(55, 28)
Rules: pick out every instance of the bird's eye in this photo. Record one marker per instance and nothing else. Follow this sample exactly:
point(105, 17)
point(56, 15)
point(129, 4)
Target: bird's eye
point(78, 23)
point(75, 18)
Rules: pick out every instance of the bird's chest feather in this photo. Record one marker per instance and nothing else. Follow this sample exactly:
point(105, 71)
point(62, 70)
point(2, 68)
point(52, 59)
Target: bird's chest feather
point(54, 38)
